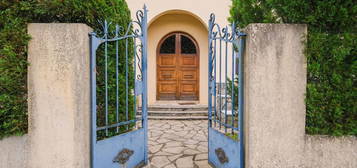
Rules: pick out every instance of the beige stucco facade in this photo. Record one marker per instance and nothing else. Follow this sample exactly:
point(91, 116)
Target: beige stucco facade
point(189, 16)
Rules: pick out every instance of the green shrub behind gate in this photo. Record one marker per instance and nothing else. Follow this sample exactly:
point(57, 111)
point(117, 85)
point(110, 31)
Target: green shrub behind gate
point(14, 16)
point(331, 53)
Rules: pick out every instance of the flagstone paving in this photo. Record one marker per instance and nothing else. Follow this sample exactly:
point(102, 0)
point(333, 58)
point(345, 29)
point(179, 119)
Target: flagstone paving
point(178, 144)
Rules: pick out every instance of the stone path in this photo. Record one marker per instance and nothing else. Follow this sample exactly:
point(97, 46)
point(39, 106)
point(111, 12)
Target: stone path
point(178, 144)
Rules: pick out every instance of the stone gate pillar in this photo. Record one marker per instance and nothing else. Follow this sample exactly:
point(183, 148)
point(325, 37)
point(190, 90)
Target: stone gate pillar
point(275, 86)
point(59, 97)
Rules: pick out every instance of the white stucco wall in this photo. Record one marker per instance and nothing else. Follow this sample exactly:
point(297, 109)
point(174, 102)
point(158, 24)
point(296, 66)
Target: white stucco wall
point(13, 152)
point(330, 152)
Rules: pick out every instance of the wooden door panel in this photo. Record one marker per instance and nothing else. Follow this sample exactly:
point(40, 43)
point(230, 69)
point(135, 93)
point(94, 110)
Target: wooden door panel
point(167, 75)
point(177, 73)
point(189, 60)
point(167, 90)
point(189, 74)
point(167, 61)
point(188, 87)
point(188, 90)
point(167, 87)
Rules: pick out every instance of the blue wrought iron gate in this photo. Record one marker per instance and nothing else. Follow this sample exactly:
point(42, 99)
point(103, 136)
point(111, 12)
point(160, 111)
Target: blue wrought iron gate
point(118, 74)
point(225, 96)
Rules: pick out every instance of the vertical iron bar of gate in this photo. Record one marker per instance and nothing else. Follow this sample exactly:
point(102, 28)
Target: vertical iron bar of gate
point(145, 94)
point(215, 82)
point(233, 73)
point(225, 85)
point(106, 75)
point(94, 43)
point(220, 83)
point(211, 79)
point(126, 83)
point(210, 76)
point(134, 78)
point(233, 90)
point(241, 94)
point(116, 77)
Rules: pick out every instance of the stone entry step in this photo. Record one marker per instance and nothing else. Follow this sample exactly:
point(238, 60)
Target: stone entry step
point(170, 107)
point(176, 112)
point(176, 117)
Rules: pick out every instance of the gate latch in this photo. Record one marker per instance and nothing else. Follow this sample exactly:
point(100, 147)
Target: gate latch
point(221, 155)
point(123, 156)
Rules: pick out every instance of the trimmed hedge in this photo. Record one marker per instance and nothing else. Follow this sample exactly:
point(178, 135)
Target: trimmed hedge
point(14, 16)
point(331, 53)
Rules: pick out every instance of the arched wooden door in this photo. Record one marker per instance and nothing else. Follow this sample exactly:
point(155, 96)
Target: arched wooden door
point(177, 68)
